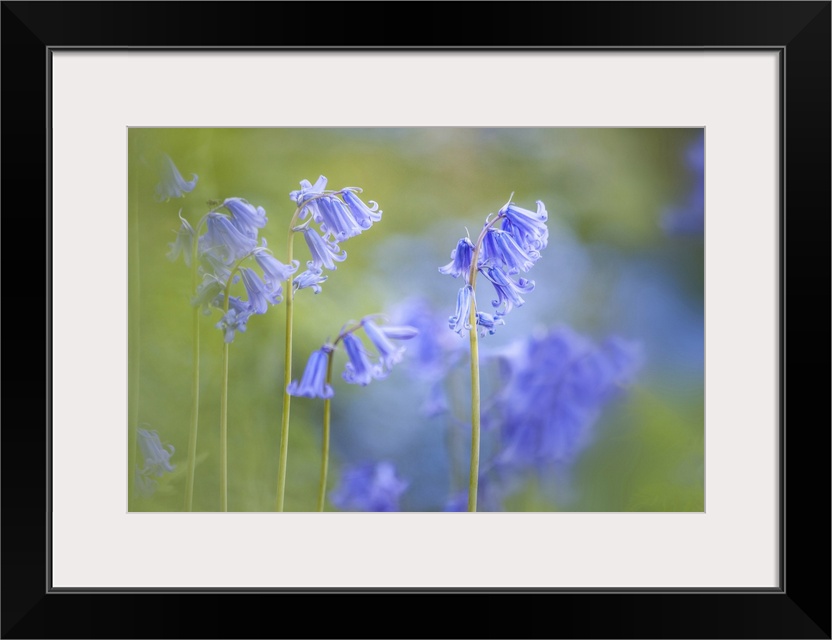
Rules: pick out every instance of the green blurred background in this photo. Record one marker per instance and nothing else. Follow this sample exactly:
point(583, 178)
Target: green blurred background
point(610, 268)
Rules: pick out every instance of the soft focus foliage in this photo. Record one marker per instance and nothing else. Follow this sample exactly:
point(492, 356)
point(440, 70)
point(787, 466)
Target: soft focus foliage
point(593, 392)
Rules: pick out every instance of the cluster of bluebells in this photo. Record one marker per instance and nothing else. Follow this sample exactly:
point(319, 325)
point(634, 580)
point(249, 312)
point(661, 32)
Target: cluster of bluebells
point(369, 487)
point(553, 389)
point(229, 241)
point(361, 368)
point(339, 215)
point(688, 217)
point(501, 252)
point(156, 461)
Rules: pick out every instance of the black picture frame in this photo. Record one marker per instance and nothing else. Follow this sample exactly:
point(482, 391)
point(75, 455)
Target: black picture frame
point(798, 608)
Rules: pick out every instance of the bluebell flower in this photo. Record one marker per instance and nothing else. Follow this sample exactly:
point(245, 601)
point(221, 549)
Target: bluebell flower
point(369, 487)
point(311, 278)
point(313, 383)
point(233, 321)
point(389, 354)
point(224, 240)
point(501, 250)
point(461, 320)
point(429, 353)
point(526, 227)
point(184, 242)
point(245, 216)
point(172, 184)
point(359, 369)
point(460, 264)
point(488, 323)
point(325, 253)
point(308, 190)
point(334, 218)
point(156, 461)
point(274, 271)
point(508, 291)
point(365, 216)
point(260, 296)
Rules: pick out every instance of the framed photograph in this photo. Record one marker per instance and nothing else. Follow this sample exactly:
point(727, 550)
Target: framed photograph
point(307, 298)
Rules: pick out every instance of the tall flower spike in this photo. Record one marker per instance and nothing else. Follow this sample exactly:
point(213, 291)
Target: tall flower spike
point(313, 383)
point(171, 183)
point(359, 369)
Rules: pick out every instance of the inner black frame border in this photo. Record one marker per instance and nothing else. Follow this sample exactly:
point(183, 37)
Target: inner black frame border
point(798, 31)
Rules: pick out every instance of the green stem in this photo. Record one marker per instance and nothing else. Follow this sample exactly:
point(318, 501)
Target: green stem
point(189, 482)
point(287, 378)
point(224, 429)
point(473, 480)
point(325, 445)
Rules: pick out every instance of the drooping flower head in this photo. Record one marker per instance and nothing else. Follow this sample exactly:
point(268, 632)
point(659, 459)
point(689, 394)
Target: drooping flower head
point(171, 183)
point(340, 215)
point(359, 370)
point(501, 251)
point(369, 487)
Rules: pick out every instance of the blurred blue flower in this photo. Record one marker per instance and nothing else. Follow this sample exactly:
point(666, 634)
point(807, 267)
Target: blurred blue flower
point(171, 183)
point(688, 217)
point(184, 242)
point(313, 383)
point(359, 370)
point(554, 389)
point(233, 320)
point(389, 354)
point(224, 240)
point(370, 487)
point(156, 461)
